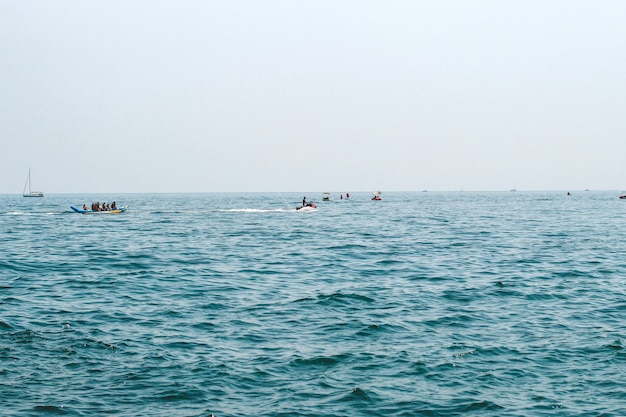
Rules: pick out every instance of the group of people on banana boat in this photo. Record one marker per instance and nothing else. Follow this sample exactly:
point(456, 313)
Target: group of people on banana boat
point(103, 207)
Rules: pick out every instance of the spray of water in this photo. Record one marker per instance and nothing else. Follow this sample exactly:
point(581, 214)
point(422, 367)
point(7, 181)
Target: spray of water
point(284, 199)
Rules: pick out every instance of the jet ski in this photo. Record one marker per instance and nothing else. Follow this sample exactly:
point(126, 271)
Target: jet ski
point(307, 207)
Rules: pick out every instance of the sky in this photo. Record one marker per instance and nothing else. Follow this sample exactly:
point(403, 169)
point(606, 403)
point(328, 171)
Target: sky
point(141, 96)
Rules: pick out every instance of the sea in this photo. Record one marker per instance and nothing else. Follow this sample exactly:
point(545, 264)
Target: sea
point(235, 304)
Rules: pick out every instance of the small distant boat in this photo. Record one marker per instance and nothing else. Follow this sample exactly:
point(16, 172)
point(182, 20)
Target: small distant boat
point(115, 211)
point(307, 207)
point(376, 196)
point(326, 197)
point(623, 196)
point(30, 193)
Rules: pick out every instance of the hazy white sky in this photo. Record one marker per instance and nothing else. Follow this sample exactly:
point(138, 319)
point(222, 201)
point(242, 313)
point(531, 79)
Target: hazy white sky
point(325, 95)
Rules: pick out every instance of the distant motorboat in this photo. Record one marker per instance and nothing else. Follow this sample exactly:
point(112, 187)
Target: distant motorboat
point(30, 193)
point(376, 196)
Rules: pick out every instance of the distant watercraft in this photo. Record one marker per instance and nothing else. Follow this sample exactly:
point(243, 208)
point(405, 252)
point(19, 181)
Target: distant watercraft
point(623, 196)
point(30, 193)
point(326, 197)
point(376, 196)
point(307, 207)
point(115, 211)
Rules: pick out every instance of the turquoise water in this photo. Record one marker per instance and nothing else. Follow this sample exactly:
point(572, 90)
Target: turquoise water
point(423, 304)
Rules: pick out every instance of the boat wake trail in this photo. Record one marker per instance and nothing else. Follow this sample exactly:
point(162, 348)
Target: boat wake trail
point(255, 210)
point(36, 213)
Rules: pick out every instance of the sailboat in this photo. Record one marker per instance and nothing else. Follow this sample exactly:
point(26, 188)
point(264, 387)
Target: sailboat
point(30, 193)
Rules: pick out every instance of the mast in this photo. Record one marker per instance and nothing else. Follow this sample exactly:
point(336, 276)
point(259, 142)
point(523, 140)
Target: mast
point(27, 183)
